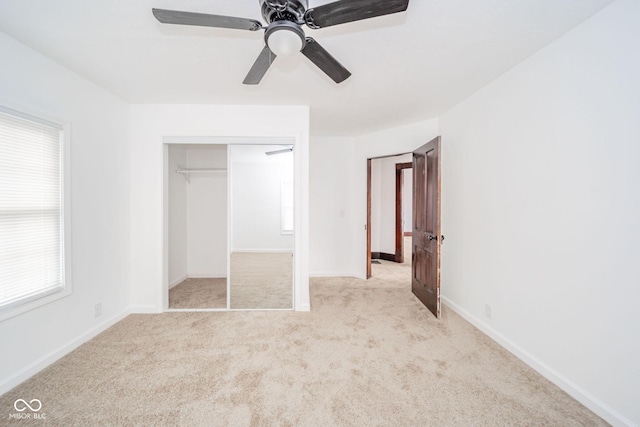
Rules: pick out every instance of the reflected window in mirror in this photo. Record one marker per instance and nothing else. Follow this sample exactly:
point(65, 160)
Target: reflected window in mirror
point(286, 200)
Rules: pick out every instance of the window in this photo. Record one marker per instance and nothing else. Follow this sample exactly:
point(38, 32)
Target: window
point(32, 223)
point(286, 202)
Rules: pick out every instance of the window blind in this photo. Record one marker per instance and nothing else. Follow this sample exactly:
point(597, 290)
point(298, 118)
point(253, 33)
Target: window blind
point(31, 217)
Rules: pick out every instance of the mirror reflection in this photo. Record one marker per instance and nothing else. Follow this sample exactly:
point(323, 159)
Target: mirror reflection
point(261, 245)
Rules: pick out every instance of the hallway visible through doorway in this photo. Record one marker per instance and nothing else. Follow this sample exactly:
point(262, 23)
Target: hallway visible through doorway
point(385, 270)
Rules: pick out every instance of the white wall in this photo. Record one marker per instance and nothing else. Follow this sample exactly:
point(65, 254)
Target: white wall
point(154, 125)
point(333, 211)
point(541, 204)
point(256, 183)
point(207, 213)
point(197, 209)
point(399, 140)
point(99, 210)
point(178, 242)
point(407, 200)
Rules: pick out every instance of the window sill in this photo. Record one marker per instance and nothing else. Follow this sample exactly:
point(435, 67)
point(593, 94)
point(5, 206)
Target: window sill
point(20, 308)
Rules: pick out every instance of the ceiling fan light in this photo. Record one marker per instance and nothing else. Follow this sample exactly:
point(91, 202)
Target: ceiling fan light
point(284, 38)
point(285, 43)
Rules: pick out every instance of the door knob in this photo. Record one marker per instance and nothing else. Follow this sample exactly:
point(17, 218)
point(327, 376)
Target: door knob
point(432, 237)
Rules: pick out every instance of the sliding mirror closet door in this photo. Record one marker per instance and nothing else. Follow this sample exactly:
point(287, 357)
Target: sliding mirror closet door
point(197, 220)
point(261, 221)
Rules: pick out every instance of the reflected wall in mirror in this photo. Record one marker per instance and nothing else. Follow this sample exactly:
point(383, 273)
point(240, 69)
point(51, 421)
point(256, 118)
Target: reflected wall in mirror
point(262, 243)
point(197, 222)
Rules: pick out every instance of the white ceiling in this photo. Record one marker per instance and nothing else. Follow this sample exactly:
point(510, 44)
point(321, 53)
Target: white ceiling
point(406, 67)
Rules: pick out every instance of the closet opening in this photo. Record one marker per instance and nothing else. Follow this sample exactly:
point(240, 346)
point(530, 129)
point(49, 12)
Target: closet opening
point(229, 226)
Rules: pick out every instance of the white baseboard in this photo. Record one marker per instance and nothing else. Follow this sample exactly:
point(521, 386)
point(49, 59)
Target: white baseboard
point(40, 364)
point(197, 276)
point(334, 274)
point(208, 276)
point(598, 407)
point(177, 281)
point(144, 309)
point(262, 250)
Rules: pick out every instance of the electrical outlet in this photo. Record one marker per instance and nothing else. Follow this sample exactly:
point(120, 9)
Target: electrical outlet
point(488, 311)
point(97, 310)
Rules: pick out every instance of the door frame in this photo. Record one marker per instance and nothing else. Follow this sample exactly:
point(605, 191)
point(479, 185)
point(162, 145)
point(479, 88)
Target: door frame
point(388, 257)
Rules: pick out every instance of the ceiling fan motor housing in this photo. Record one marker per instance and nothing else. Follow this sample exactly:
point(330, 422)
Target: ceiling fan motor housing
point(284, 10)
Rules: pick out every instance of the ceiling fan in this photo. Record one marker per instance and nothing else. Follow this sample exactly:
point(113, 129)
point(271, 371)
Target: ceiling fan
point(284, 34)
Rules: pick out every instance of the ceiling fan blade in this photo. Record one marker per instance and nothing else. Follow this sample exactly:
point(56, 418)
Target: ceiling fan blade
point(205, 20)
point(343, 11)
point(260, 67)
point(323, 59)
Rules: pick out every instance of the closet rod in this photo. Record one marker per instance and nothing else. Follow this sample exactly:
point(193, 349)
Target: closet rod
point(187, 172)
point(205, 170)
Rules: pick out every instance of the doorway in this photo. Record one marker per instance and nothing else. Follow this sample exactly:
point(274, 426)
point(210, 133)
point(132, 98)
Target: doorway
point(425, 236)
point(388, 201)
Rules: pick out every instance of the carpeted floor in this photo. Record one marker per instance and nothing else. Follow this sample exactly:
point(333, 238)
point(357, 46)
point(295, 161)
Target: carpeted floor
point(199, 293)
point(261, 280)
point(368, 354)
point(258, 281)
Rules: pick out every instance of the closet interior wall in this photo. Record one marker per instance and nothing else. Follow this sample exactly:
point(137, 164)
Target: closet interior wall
point(197, 212)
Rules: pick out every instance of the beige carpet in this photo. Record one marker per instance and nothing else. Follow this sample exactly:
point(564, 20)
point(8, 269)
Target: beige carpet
point(199, 293)
point(261, 280)
point(369, 354)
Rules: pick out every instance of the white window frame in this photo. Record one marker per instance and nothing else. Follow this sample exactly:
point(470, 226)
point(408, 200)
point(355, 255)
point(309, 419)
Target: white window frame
point(286, 186)
point(30, 303)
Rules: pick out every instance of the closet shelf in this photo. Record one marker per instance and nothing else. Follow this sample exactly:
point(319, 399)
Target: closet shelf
point(188, 172)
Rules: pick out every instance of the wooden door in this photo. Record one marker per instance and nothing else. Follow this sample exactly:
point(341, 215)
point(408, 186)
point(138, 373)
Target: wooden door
point(425, 282)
